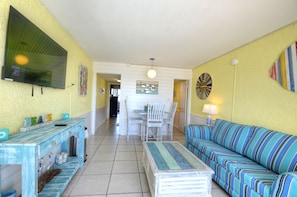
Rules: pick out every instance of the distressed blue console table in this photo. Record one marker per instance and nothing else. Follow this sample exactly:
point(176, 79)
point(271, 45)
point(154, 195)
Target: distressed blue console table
point(25, 148)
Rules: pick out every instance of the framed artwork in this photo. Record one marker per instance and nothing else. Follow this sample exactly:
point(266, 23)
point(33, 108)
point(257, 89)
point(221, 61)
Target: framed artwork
point(83, 80)
point(102, 90)
point(147, 87)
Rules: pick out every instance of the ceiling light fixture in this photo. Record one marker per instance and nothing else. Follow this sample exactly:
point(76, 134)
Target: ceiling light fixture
point(151, 73)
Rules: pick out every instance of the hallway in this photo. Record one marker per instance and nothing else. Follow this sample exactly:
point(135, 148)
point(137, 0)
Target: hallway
point(114, 168)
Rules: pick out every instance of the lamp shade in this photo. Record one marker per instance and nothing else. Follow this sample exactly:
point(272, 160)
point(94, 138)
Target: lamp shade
point(151, 73)
point(210, 109)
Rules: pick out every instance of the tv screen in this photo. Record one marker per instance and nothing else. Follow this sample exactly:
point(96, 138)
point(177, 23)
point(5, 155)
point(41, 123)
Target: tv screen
point(31, 56)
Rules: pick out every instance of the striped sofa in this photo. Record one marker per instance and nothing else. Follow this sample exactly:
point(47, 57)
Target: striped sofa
point(247, 160)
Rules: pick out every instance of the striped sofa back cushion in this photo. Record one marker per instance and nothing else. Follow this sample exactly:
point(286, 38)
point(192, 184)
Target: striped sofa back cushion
point(198, 131)
point(275, 150)
point(231, 135)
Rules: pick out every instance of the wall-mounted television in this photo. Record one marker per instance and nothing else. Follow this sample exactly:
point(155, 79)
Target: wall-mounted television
point(31, 56)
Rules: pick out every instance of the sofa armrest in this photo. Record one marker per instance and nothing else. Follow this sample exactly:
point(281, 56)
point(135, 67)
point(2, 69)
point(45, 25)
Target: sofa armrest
point(197, 131)
point(284, 185)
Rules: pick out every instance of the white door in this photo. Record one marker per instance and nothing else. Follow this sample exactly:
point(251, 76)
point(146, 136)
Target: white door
point(183, 104)
point(181, 92)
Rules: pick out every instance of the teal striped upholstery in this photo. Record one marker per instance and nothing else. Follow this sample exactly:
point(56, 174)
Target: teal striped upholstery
point(281, 187)
point(265, 166)
point(275, 150)
point(253, 175)
point(197, 131)
point(231, 135)
point(238, 188)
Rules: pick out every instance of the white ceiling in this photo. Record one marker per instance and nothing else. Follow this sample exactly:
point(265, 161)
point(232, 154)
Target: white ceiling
point(177, 33)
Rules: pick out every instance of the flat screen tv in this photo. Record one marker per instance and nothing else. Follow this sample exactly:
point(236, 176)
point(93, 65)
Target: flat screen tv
point(31, 56)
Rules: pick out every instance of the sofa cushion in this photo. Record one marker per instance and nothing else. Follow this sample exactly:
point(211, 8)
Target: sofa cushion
point(281, 187)
point(253, 175)
point(198, 131)
point(274, 150)
point(244, 169)
point(231, 135)
point(209, 148)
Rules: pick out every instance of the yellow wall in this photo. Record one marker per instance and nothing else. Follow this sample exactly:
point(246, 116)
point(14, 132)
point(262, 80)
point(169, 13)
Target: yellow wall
point(256, 99)
point(15, 98)
point(101, 99)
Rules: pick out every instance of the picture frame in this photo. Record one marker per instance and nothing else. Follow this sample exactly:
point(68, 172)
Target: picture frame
point(83, 80)
point(147, 87)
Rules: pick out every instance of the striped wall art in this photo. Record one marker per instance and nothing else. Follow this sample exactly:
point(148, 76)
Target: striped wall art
point(284, 69)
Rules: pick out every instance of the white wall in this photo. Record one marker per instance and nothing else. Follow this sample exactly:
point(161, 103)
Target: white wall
point(101, 116)
point(198, 120)
point(131, 73)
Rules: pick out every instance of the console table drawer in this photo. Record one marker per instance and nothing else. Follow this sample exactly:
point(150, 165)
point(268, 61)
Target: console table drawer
point(46, 146)
point(79, 126)
point(68, 133)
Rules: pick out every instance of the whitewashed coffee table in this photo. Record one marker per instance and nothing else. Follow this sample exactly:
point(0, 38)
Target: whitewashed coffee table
point(172, 170)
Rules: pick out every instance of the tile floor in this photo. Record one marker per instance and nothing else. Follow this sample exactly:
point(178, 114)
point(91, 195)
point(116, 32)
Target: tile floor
point(113, 167)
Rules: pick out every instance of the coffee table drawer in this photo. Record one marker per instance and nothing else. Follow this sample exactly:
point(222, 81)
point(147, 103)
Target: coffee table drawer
point(183, 185)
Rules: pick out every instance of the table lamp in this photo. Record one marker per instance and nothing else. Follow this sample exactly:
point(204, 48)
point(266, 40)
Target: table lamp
point(210, 109)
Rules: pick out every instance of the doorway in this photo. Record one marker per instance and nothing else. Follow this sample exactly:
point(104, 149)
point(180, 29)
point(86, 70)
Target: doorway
point(114, 103)
point(104, 85)
point(181, 97)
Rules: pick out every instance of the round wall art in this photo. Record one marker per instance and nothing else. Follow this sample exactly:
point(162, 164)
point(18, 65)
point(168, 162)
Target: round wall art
point(203, 85)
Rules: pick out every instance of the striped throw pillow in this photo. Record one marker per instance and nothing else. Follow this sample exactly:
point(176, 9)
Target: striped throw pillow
point(275, 150)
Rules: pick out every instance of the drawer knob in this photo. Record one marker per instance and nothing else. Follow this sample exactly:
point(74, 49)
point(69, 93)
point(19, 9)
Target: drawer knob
point(54, 143)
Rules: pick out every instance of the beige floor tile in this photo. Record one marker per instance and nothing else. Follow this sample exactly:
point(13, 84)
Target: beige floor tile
point(110, 141)
point(98, 167)
point(140, 166)
point(103, 156)
point(218, 192)
point(92, 147)
point(124, 141)
point(139, 147)
point(138, 142)
point(144, 183)
point(125, 156)
point(124, 183)
point(126, 147)
point(125, 195)
point(108, 147)
point(94, 139)
point(91, 185)
point(125, 167)
point(146, 194)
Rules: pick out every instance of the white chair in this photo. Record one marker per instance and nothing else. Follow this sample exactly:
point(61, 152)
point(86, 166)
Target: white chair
point(170, 120)
point(133, 120)
point(154, 121)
